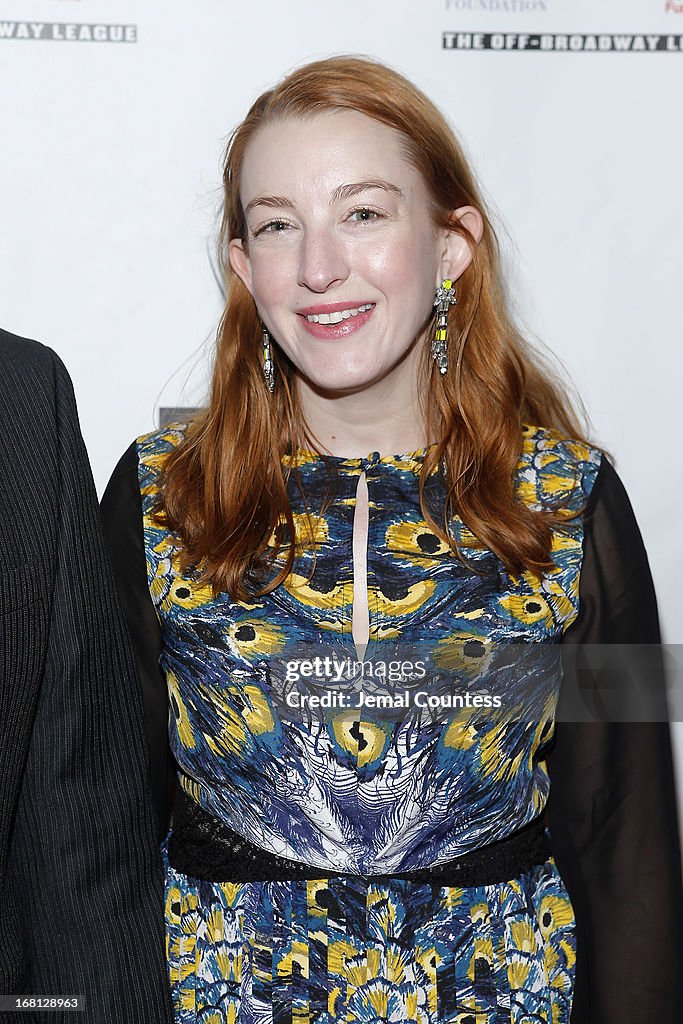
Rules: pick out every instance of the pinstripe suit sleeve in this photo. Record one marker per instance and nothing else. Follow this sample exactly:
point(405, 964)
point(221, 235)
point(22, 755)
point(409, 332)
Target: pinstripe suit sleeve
point(84, 857)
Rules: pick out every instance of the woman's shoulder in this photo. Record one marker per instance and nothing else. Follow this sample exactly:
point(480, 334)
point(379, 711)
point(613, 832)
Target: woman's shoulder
point(161, 441)
point(154, 448)
point(556, 469)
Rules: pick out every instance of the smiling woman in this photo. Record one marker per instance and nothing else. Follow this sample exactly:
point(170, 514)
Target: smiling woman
point(367, 249)
point(463, 858)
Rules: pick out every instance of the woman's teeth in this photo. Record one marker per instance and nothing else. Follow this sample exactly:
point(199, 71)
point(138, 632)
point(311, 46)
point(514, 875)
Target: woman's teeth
point(336, 318)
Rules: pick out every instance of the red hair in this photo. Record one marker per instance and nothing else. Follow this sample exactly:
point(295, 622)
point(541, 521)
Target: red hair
point(224, 487)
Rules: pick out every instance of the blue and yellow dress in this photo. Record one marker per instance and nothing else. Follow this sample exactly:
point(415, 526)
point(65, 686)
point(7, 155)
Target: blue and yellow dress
point(379, 788)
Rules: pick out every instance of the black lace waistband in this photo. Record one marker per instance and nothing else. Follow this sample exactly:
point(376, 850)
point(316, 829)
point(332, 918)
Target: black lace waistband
point(201, 846)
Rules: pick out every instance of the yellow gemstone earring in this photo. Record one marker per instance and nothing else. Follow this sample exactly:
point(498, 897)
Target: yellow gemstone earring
point(445, 297)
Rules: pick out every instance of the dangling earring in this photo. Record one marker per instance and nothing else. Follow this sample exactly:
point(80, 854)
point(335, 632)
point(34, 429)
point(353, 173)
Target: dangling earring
point(268, 367)
point(445, 297)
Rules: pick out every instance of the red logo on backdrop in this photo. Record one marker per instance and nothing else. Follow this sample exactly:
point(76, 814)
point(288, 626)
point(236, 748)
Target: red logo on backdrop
point(673, 7)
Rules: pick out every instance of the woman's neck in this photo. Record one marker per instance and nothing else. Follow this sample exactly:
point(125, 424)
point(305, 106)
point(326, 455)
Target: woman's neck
point(386, 417)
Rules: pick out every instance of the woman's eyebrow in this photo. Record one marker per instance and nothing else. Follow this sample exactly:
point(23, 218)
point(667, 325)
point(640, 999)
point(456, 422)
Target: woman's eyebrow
point(348, 191)
point(340, 193)
point(276, 202)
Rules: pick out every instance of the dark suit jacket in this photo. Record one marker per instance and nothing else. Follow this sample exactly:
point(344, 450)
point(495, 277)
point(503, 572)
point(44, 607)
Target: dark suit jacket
point(81, 883)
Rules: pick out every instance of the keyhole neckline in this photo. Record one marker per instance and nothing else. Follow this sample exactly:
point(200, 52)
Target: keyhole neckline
point(366, 461)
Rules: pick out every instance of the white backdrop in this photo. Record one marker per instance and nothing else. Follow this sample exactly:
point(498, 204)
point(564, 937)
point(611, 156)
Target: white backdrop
point(568, 108)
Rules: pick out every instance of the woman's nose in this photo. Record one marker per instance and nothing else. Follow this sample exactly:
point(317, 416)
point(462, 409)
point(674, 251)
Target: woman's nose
point(323, 260)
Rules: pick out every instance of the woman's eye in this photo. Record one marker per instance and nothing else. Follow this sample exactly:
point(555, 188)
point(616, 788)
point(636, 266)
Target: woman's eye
point(273, 227)
point(364, 215)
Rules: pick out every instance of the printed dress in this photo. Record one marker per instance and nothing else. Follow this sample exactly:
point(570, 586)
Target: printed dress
point(378, 790)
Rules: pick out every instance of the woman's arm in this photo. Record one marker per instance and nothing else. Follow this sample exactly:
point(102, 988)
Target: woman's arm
point(612, 807)
point(121, 510)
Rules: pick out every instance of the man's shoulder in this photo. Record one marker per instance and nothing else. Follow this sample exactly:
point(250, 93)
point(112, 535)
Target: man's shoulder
point(32, 376)
point(24, 352)
point(30, 372)
point(36, 393)
point(32, 451)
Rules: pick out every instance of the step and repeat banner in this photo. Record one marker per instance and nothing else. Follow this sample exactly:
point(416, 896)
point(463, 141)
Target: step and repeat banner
point(114, 116)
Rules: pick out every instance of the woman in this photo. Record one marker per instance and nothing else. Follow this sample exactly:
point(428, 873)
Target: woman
point(360, 860)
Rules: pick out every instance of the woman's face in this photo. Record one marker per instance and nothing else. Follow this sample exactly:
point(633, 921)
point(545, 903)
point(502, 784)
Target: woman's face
point(342, 257)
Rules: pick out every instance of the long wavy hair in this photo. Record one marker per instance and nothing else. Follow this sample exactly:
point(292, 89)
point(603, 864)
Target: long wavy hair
point(224, 488)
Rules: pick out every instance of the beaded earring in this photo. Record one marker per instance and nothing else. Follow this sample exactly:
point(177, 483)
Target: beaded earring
point(268, 366)
point(445, 297)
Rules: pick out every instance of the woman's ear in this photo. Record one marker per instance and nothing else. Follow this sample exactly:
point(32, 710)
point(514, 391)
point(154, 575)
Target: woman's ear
point(240, 263)
point(457, 251)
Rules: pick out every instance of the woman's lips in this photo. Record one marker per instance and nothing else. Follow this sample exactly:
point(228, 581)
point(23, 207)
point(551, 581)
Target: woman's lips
point(332, 332)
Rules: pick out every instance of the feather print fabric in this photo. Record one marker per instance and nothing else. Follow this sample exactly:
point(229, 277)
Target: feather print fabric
point(371, 791)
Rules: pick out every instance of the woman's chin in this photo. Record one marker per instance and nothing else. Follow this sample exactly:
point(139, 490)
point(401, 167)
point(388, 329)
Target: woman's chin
point(330, 379)
point(339, 389)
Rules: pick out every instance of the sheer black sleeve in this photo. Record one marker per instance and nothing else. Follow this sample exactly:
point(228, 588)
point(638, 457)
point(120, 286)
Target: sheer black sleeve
point(121, 511)
point(612, 807)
